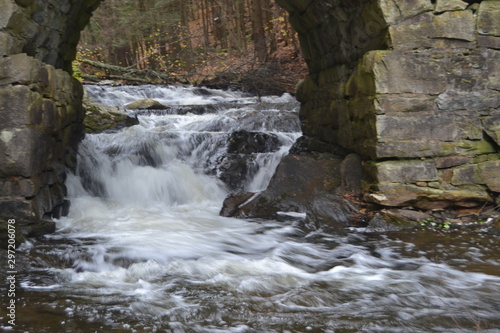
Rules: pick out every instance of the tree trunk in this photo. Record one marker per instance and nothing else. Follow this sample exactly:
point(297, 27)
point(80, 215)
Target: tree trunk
point(268, 14)
point(258, 33)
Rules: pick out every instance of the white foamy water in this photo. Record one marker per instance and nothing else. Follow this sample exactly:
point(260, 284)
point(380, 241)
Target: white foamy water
point(144, 249)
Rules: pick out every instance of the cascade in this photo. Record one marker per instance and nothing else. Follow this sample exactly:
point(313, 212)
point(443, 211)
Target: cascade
point(143, 248)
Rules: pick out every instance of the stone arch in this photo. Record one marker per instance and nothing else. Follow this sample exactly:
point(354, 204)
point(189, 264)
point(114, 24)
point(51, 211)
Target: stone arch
point(412, 86)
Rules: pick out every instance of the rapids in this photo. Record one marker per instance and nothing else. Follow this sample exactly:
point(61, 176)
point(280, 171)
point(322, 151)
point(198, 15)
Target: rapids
point(144, 249)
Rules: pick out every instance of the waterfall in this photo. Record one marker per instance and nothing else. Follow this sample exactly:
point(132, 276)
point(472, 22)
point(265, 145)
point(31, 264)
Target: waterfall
point(181, 141)
point(144, 249)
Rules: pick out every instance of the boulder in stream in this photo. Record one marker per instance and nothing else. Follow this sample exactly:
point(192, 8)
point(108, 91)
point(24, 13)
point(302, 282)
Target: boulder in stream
point(99, 117)
point(145, 104)
point(238, 164)
point(306, 184)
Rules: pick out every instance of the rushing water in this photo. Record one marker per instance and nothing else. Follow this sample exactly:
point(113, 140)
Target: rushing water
point(144, 249)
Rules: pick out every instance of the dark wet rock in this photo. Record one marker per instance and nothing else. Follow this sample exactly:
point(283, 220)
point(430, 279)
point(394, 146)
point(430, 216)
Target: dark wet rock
point(352, 173)
point(333, 211)
point(245, 142)
point(202, 92)
point(320, 185)
point(408, 215)
point(298, 179)
point(239, 204)
point(495, 228)
point(233, 170)
point(238, 164)
point(306, 145)
point(405, 266)
point(388, 220)
point(39, 229)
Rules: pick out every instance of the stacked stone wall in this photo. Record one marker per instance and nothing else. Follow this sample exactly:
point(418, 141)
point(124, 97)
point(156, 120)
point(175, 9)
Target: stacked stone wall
point(420, 105)
point(40, 125)
point(41, 115)
point(48, 30)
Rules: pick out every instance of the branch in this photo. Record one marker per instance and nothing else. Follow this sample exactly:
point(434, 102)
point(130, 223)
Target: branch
point(129, 74)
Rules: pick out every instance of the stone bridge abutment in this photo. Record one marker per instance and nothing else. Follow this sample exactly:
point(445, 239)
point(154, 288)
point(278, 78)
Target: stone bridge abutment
point(411, 86)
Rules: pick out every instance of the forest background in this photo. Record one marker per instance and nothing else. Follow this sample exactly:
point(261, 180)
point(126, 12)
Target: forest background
point(242, 44)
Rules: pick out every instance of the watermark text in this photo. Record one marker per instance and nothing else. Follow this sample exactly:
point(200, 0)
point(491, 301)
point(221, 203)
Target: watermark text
point(11, 272)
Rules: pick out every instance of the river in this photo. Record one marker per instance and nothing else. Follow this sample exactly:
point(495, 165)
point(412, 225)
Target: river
point(144, 249)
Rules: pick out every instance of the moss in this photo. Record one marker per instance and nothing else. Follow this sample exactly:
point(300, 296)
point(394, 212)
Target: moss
point(478, 147)
point(99, 120)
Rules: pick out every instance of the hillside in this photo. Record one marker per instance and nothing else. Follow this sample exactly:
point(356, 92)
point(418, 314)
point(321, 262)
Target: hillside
point(247, 45)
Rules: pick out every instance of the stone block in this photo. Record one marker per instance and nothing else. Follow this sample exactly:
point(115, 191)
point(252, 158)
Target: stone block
point(444, 162)
point(43, 201)
point(491, 126)
point(493, 69)
point(26, 152)
point(21, 23)
point(49, 115)
point(459, 25)
point(491, 42)
point(406, 72)
point(398, 10)
point(8, 10)
point(361, 82)
point(361, 107)
point(489, 173)
point(403, 171)
point(468, 100)
point(466, 147)
point(466, 72)
point(24, 107)
point(20, 69)
point(488, 18)
point(426, 147)
point(9, 44)
point(456, 127)
point(421, 147)
point(404, 127)
point(466, 174)
point(448, 30)
point(20, 187)
point(428, 198)
point(449, 127)
point(21, 208)
point(396, 103)
point(450, 5)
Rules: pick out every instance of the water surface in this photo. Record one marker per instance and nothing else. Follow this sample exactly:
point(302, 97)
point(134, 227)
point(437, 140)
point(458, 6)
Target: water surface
point(145, 250)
